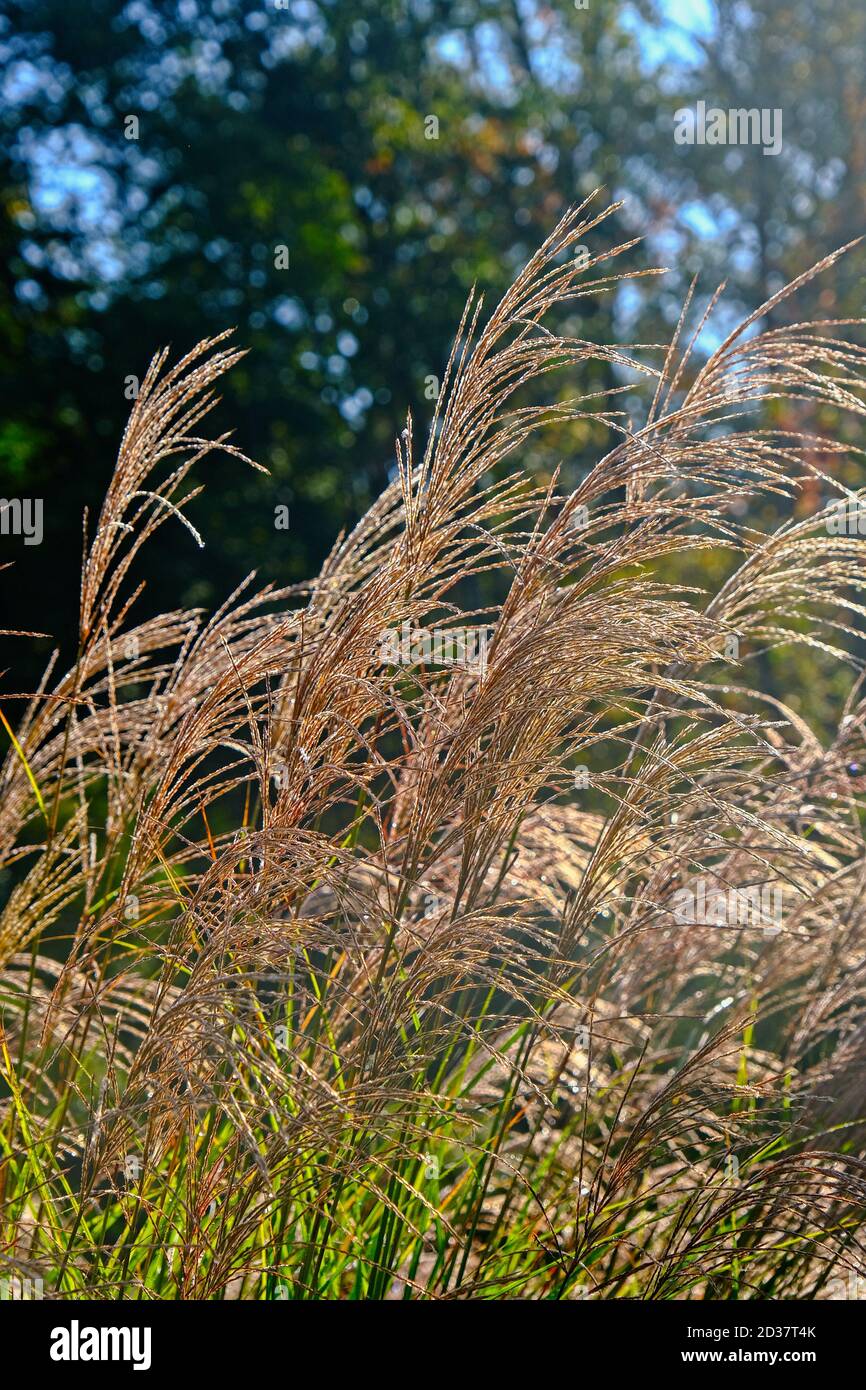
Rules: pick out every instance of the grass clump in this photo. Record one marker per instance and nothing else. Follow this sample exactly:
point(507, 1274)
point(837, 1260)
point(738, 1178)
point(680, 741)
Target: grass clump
point(537, 971)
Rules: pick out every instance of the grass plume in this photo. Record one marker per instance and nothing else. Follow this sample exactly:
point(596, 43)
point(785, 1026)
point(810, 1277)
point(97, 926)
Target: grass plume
point(325, 974)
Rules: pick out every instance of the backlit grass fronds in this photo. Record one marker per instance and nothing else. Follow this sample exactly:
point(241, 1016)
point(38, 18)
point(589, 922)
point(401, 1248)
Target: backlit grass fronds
point(474, 921)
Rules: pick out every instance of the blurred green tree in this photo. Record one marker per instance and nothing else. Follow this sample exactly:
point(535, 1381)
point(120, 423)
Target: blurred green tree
point(331, 178)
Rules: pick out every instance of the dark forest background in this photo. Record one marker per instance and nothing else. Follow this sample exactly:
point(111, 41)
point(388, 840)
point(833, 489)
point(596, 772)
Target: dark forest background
point(157, 155)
